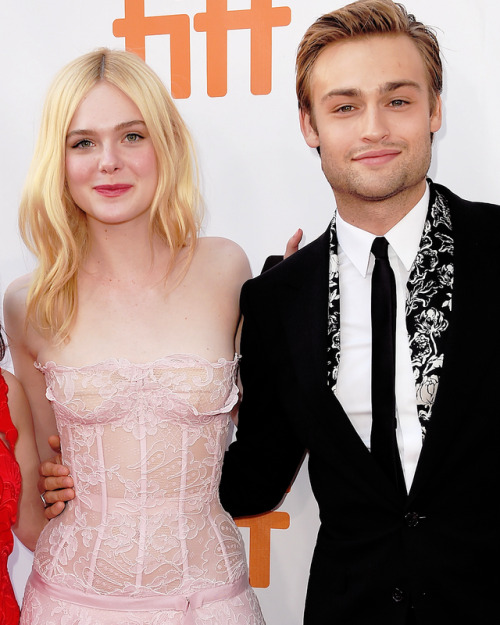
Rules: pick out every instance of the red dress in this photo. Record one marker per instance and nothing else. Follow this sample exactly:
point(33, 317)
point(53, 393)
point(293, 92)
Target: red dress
point(10, 487)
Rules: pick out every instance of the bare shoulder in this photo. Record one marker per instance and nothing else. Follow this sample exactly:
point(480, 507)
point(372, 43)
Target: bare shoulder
point(223, 256)
point(220, 245)
point(14, 309)
point(22, 338)
point(15, 295)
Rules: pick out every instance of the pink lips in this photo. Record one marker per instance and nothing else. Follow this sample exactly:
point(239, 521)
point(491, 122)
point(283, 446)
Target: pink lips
point(376, 157)
point(112, 190)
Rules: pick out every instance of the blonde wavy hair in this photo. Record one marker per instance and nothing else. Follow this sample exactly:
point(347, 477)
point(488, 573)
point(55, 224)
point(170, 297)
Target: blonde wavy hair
point(51, 224)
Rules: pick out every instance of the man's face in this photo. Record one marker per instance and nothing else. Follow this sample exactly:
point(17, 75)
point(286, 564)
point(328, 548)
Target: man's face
point(371, 118)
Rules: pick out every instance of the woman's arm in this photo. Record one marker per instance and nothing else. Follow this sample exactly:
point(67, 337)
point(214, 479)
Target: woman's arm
point(30, 514)
point(24, 345)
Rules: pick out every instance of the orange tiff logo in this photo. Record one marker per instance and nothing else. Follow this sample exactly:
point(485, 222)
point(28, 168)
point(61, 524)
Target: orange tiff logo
point(217, 20)
point(259, 549)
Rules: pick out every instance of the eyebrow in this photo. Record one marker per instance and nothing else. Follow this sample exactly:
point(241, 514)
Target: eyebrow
point(387, 87)
point(118, 127)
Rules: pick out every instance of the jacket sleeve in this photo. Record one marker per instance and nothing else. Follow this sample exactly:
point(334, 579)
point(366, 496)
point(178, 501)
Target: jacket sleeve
point(261, 464)
point(270, 262)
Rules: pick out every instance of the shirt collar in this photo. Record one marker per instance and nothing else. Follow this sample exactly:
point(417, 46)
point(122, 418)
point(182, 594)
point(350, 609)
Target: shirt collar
point(404, 237)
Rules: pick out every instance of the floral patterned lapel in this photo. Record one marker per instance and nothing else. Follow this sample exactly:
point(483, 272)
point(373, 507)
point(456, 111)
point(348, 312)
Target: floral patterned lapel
point(333, 352)
point(428, 302)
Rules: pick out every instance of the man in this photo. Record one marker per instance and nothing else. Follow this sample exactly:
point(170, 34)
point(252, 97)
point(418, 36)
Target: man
point(409, 521)
point(421, 549)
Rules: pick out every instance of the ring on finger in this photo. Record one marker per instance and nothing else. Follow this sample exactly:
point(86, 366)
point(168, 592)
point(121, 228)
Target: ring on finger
point(42, 497)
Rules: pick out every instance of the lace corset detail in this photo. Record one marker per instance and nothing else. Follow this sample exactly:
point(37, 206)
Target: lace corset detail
point(145, 444)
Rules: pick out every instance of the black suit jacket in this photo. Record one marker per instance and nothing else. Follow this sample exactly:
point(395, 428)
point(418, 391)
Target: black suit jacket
point(376, 555)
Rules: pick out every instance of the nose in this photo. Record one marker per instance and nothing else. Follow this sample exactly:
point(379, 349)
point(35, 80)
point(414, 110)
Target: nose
point(375, 127)
point(109, 159)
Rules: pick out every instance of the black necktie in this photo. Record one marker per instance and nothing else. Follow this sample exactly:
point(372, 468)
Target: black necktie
point(383, 305)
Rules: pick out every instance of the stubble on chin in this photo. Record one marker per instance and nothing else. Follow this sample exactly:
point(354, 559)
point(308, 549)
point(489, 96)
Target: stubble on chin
point(378, 186)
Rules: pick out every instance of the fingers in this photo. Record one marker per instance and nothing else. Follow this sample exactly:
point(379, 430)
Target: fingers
point(293, 243)
point(55, 500)
point(53, 468)
point(55, 443)
point(53, 476)
point(47, 485)
point(55, 484)
point(54, 510)
point(55, 496)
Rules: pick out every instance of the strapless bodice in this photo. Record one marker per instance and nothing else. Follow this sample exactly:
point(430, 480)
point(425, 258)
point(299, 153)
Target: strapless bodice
point(145, 444)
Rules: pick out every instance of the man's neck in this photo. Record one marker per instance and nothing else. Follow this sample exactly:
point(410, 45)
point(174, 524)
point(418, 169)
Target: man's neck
point(378, 216)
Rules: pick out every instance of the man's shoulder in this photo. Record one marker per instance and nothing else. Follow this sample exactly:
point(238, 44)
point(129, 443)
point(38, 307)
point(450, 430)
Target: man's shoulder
point(474, 225)
point(293, 269)
point(458, 203)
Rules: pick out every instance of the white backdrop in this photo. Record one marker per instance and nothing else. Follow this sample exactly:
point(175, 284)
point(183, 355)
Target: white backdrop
point(260, 181)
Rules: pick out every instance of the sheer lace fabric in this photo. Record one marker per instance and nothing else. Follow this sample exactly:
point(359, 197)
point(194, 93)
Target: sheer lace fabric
point(145, 444)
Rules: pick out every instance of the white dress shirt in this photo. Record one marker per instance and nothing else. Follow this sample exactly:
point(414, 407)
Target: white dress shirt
point(354, 374)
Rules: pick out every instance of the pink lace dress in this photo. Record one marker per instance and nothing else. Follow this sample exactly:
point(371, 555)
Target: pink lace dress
point(146, 540)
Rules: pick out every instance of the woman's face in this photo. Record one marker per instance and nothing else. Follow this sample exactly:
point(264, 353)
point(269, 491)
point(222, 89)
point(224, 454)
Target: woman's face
point(111, 166)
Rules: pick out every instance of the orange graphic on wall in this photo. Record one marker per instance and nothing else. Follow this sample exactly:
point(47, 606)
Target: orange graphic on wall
point(259, 560)
point(261, 18)
point(135, 26)
point(217, 20)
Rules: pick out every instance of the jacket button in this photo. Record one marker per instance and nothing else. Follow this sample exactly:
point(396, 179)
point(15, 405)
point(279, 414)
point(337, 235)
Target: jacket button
point(397, 595)
point(413, 519)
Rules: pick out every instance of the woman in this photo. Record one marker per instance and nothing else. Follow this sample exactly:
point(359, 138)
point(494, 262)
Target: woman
point(20, 508)
point(131, 320)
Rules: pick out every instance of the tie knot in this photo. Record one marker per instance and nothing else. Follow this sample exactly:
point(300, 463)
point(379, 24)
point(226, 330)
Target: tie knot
point(379, 247)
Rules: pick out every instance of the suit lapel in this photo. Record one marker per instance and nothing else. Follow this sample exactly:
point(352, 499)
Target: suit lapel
point(305, 319)
point(429, 305)
point(304, 300)
point(449, 428)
